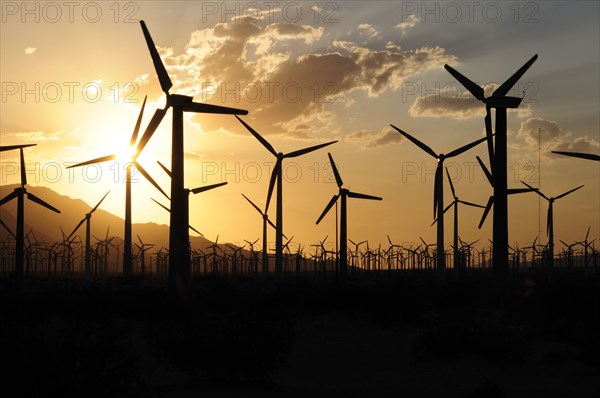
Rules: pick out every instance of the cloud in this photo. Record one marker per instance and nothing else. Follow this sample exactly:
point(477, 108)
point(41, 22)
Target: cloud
point(191, 155)
point(457, 104)
point(408, 23)
point(554, 137)
point(370, 139)
point(38, 136)
point(30, 50)
point(365, 29)
point(256, 65)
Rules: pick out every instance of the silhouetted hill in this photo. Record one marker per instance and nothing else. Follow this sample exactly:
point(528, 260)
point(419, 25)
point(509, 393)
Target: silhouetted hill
point(47, 225)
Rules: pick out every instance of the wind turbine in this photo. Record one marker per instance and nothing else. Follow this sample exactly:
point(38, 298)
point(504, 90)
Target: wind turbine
point(142, 249)
point(178, 243)
point(455, 202)
point(491, 200)
point(132, 161)
point(586, 245)
point(343, 194)
point(169, 210)
point(20, 193)
point(588, 156)
point(87, 218)
point(276, 175)
point(265, 217)
point(438, 194)
point(185, 213)
point(550, 220)
point(497, 152)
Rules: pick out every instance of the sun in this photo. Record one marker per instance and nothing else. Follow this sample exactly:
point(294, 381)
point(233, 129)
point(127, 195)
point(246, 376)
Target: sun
point(125, 154)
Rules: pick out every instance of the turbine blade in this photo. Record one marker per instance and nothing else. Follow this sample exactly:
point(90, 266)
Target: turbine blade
point(94, 161)
point(416, 142)
point(307, 150)
point(253, 205)
point(39, 201)
point(488, 207)
point(328, 207)
point(163, 76)
point(587, 233)
point(23, 174)
point(510, 82)
point(150, 179)
point(589, 156)
point(512, 191)
point(549, 219)
point(338, 178)
point(11, 147)
point(473, 88)
point(536, 190)
point(437, 188)
point(445, 210)
point(165, 168)
point(198, 107)
point(7, 229)
point(273, 225)
point(161, 205)
point(465, 148)
point(158, 116)
point(95, 207)
point(136, 129)
point(562, 195)
point(207, 188)
point(274, 176)
point(451, 185)
point(76, 228)
point(487, 173)
point(470, 204)
point(9, 197)
point(489, 135)
point(264, 142)
point(362, 196)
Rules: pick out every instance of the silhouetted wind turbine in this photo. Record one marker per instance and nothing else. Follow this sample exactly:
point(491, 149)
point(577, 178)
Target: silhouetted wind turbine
point(169, 210)
point(178, 243)
point(490, 203)
point(277, 175)
point(455, 203)
point(438, 194)
point(499, 101)
point(87, 218)
point(265, 217)
point(132, 161)
point(185, 213)
point(19, 193)
point(588, 156)
point(343, 194)
point(10, 232)
point(550, 220)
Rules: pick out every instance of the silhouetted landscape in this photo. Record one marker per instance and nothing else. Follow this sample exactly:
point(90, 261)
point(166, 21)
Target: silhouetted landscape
point(96, 305)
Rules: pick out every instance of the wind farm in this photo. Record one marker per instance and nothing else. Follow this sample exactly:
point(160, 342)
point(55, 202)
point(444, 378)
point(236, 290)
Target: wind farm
point(319, 293)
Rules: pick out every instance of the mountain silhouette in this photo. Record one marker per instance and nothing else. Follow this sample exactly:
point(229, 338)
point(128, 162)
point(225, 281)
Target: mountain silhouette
point(46, 225)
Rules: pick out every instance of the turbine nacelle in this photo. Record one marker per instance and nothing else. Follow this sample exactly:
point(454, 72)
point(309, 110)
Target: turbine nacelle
point(178, 100)
point(503, 102)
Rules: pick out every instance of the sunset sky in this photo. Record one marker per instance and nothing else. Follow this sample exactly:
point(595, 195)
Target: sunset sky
point(74, 78)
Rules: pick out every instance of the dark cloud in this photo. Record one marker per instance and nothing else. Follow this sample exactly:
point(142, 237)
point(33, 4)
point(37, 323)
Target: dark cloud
point(370, 139)
point(245, 64)
point(456, 102)
point(554, 138)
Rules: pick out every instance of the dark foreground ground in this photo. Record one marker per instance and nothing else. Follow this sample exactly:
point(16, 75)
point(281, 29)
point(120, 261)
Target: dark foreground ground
point(300, 338)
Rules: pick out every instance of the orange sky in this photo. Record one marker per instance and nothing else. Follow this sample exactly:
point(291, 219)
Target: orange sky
point(343, 71)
